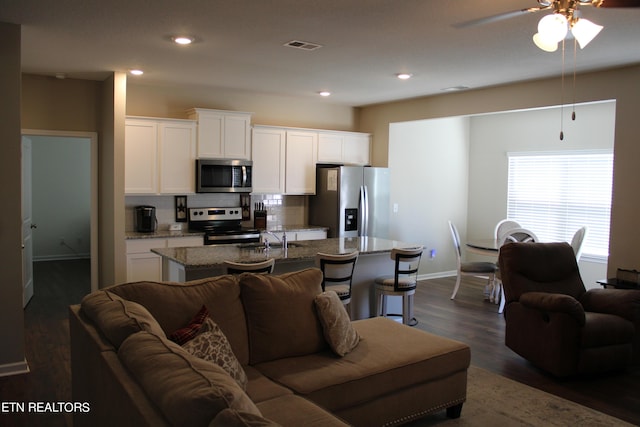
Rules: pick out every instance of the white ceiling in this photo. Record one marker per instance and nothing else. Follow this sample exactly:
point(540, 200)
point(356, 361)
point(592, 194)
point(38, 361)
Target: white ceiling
point(365, 43)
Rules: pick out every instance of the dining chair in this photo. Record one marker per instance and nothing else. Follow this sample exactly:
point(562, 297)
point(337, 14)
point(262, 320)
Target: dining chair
point(515, 235)
point(337, 274)
point(504, 226)
point(578, 240)
point(475, 268)
point(264, 267)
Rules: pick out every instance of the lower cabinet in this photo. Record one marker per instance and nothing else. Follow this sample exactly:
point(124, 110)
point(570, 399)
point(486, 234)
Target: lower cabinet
point(142, 264)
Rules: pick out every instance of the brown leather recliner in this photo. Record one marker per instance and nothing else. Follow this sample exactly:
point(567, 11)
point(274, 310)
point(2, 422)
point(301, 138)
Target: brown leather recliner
point(555, 323)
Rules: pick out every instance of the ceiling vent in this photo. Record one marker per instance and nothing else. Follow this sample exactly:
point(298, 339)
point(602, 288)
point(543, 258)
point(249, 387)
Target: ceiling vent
point(297, 44)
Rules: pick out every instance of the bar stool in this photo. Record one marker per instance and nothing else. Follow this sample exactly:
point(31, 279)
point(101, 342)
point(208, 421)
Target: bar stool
point(337, 274)
point(264, 267)
point(403, 283)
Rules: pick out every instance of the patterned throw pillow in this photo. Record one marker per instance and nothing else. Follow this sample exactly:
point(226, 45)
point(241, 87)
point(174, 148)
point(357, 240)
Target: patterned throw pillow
point(336, 325)
point(212, 345)
point(183, 335)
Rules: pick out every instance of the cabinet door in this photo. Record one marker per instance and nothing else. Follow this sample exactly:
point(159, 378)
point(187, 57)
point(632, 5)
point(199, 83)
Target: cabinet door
point(142, 264)
point(329, 148)
point(140, 165)
point(356, 149)
point(301, 162)
point(237, 136)
point(268, 155)
point(210, 135)
point(177, 157)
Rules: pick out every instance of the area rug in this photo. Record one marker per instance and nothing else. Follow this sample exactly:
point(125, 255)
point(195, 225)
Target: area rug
point(493, 400)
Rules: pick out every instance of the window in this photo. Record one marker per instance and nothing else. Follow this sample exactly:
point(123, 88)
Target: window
point(554, 194)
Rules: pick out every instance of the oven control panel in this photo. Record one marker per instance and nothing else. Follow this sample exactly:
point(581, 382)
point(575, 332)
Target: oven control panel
point(214, 214)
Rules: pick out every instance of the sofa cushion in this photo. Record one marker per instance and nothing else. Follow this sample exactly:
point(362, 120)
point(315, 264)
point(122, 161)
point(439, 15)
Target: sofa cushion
point(189, 391)
point(390, 357)
point(211, 344)
point(281, 316)
point(261, 388)
point(173, 305)
point(118, 318)
point(336, 325)
point(292, 410)
point(188, 332)
point(233, 418)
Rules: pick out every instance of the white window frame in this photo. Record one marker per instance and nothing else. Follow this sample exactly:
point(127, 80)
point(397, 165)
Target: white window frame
point(547, 193)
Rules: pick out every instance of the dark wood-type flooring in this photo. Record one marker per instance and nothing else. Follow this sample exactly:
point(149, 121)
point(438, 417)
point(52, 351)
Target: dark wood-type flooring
point(468, 318)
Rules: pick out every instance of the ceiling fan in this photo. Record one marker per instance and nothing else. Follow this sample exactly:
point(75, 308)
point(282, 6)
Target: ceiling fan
point(554, 27)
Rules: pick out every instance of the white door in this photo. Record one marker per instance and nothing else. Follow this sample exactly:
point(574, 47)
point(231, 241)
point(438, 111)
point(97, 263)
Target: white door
point(27, 225)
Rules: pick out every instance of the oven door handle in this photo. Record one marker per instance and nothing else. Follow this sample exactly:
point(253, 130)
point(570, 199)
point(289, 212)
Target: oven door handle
point(236, 237)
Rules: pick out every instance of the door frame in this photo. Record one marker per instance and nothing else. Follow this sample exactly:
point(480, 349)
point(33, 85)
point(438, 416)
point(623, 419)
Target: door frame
point(93, 140)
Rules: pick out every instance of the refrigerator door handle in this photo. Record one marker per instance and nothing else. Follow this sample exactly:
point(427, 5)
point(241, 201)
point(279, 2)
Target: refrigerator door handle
point(361, 211)
point(365, 211)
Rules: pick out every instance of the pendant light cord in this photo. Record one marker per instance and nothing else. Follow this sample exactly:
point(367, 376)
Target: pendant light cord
point(562, 98)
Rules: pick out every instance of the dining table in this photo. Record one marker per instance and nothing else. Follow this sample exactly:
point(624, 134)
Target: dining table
point(483, 246)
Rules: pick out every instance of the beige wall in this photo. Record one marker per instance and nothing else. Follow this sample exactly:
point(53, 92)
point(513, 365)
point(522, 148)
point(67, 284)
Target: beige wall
point(12, 350)
point(174, 101)
point(618, 84)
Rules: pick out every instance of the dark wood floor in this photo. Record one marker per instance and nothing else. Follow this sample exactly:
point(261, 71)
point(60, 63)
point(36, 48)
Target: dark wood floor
point(468, 318)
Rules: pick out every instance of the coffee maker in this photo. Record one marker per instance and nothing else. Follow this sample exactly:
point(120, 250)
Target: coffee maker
point(145, 219)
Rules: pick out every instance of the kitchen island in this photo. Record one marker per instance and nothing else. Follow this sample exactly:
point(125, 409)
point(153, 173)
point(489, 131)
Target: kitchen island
point(189, 263)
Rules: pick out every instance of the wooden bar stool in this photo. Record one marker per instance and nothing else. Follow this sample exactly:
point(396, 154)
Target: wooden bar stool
point(337, 274)
point(403, 283)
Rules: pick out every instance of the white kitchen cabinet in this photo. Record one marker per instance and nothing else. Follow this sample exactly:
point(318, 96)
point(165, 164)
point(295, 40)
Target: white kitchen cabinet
point(142, 264)
point(311, 235)
point(344, 148)
point(159, 156)
point(300, 164)
point(222, 134)
point(269, 145)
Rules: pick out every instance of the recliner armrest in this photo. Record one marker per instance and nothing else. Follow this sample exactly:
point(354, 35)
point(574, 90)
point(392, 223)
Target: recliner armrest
point(622, 302)
point(554, 303)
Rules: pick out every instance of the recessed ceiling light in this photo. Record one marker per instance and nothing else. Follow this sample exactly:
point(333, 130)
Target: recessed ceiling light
point(324, 93)
point(136, 72)
point(404, 76)
point(455, 88)
point(183, 40)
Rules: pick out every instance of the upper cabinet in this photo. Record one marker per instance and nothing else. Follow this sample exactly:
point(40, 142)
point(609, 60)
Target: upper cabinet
point(284, 160)
point(222, 134)
point(159, 156)
point(344, 147)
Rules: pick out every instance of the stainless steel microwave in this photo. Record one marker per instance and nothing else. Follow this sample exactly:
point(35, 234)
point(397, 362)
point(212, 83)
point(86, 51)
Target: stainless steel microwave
point(223, 176)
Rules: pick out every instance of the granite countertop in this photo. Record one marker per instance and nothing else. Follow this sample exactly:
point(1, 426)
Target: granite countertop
point(305, 250)
point(160, 234)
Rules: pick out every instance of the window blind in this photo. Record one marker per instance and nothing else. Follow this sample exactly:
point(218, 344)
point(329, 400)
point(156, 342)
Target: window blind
point(555, 194)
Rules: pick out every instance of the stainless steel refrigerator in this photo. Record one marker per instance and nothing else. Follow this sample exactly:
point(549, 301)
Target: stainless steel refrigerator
point(351, 200)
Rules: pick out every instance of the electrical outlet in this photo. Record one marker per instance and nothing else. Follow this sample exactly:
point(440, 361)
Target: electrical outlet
point(432, 253)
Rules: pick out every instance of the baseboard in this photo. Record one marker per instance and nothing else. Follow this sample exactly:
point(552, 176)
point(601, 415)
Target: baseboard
point(60, 257)
point(14, 368)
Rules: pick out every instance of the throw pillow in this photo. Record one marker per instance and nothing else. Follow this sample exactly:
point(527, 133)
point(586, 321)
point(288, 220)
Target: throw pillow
point(233, 418)
point(336, 325)
point(281, 319)
point(187, 333)
point(211, 344)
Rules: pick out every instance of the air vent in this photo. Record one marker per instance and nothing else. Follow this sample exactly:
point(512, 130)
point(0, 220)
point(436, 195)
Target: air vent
point(297, 44)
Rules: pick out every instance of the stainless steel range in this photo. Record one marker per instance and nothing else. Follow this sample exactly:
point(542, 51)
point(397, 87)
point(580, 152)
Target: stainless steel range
point(221, 225)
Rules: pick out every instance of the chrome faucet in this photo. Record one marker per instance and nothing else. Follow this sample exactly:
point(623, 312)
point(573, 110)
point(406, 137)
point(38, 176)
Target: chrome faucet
point(283, 241)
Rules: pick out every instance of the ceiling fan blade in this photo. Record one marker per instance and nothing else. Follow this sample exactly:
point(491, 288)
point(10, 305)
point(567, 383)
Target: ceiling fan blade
point(616, 3)
point(498, 17)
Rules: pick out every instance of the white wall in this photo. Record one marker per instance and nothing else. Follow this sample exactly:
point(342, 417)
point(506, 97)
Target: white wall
point(457, 169)
point(429, 164)
point(61, 196)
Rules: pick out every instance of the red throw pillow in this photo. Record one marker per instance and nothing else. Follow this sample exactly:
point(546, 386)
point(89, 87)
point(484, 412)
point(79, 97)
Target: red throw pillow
point(187, 333)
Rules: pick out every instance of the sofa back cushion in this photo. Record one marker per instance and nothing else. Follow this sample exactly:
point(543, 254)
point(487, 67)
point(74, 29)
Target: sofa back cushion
point(188, 391)
point(118, 318)
point(281, 317)
point(174, 304)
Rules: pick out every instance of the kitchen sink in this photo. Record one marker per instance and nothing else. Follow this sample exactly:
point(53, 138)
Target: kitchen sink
point(274, 245)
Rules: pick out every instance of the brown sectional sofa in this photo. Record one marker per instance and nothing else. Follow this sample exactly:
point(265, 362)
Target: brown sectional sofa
point(124, 366)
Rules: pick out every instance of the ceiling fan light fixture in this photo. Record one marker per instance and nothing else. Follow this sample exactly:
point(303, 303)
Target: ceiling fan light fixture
point(544, 44)
point(553, 27)
point(584, 31)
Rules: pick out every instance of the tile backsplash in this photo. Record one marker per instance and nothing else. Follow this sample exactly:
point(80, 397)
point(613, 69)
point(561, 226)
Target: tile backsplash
point(281, 210)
